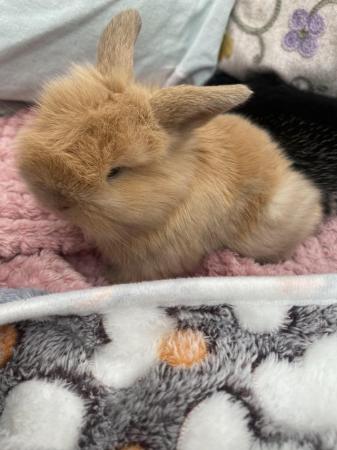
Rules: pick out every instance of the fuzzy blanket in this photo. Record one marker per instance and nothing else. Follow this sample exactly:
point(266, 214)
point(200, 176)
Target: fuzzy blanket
point(40, 251)
point(193, 364)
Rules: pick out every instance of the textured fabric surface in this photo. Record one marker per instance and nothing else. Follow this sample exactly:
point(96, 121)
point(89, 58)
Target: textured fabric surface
point(175, 365)
point(36, 249)
point(295, 38)
point(179, 40)
point(40, 251)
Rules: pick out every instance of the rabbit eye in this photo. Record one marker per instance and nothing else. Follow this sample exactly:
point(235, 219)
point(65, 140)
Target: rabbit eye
point(114, 172)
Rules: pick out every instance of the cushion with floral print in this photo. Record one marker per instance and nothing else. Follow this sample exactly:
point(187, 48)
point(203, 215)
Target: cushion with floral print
point(295, 38)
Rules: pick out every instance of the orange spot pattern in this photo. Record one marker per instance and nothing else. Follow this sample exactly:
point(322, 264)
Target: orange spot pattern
point(183, 348)
point(132, 447)
point(8, 338)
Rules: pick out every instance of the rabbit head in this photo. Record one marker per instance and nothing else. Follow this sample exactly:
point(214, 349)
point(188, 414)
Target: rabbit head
point(103, 150)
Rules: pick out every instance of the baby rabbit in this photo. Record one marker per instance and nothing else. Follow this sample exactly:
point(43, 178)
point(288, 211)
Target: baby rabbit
point(158, 177)
point(302, 122)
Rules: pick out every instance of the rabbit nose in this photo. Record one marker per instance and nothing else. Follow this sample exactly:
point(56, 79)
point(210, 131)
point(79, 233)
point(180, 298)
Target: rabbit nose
point(64, 207)
point(61, 202)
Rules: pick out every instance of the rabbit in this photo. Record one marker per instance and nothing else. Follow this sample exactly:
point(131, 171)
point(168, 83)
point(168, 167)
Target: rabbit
point(303, 123)
point(159, 177)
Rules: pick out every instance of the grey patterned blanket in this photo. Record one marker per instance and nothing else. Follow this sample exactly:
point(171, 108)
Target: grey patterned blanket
point(194, 364)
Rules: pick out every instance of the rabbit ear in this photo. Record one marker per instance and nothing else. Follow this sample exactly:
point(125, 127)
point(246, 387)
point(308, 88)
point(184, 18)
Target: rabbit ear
point(116, 44)
point(183, 107)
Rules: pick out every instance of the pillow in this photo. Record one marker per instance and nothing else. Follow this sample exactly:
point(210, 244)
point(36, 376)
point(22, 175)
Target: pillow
point(295, 38)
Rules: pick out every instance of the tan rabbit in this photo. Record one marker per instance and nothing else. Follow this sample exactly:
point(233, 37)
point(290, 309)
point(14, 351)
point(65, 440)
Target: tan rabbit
point(159, 177)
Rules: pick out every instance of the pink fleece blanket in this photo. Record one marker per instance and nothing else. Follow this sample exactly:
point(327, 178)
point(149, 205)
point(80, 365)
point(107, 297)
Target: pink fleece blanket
point(41, 251)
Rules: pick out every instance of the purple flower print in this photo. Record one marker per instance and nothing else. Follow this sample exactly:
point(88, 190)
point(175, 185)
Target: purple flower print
point(304, 31)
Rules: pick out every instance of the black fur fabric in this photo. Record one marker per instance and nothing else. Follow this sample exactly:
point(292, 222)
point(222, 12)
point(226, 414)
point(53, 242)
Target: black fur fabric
point(302, 122)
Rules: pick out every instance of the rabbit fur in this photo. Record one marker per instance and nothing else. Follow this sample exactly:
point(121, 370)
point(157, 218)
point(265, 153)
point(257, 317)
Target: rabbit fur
point(159, 177)
point(302, 122)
